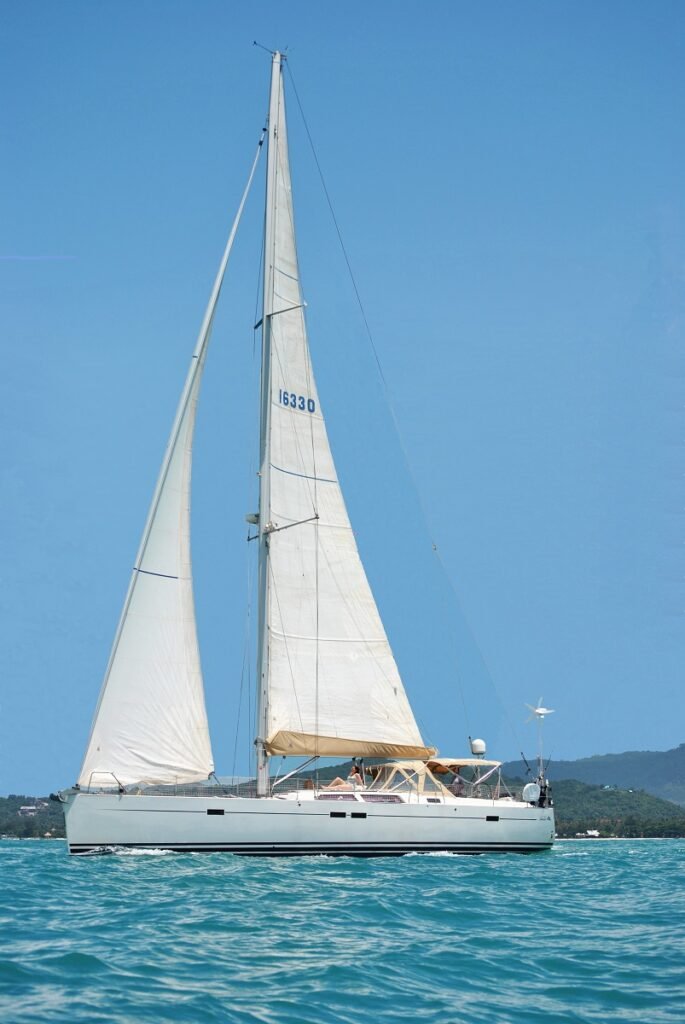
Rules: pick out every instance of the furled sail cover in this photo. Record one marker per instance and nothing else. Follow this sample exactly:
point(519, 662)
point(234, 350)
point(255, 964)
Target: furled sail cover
point(333, 685)
point(151, 725)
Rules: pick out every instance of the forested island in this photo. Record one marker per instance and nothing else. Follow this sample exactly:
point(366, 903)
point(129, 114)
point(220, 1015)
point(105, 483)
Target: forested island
point(659, 772)
point(627, 813)
point(30, 817)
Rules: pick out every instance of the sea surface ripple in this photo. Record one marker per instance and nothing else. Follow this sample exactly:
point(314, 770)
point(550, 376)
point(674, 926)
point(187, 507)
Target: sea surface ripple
point(592, 931)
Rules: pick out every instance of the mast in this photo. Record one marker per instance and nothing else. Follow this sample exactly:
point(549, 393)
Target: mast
point(264, 441)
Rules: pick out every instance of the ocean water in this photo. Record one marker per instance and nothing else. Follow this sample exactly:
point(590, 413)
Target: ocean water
point(591, 931)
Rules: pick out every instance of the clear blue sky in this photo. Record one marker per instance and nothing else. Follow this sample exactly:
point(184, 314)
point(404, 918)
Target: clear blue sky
point(509, 182)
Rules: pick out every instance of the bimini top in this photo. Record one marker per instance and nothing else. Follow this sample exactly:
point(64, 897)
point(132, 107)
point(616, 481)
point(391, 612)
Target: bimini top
point(441, 765)
point(407, 776)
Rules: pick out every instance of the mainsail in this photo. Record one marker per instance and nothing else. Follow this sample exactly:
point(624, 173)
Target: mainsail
point(150, 724)
point(329, 681)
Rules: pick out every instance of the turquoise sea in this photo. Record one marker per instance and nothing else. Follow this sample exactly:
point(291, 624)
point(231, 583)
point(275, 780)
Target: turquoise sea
point(591, 931)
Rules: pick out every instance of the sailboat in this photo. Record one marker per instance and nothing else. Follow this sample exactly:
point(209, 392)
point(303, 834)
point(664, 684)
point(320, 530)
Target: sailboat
point(327, 681)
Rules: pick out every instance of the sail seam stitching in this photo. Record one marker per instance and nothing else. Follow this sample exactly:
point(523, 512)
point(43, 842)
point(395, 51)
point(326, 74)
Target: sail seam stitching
point(332, 639)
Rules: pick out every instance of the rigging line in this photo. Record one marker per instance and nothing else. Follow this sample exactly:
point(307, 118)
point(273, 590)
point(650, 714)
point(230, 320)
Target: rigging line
point(279, 312)
point(296, 435)
point(187, 402)
point(258, 293)
point(285, 642)
point(197, 363)
point(393, 416)
point(455, 646)
point(309, 378)
point(291, 217)
point(352, 607)
point(489, 674)
point(316, 563)
point(250, 718)
point(244, 668)
point(307, 356)
point(317, 646)
point(356, 292)
point(262, 47)
point(247, 664)
point(336, 225)
point(262, 698)
point(302, 306)
point(280, 529)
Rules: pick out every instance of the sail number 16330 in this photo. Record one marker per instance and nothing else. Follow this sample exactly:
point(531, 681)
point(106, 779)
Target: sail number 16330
point(294, 401)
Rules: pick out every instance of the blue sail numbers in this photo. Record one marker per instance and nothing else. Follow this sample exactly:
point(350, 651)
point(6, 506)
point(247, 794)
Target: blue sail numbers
point(294, 401)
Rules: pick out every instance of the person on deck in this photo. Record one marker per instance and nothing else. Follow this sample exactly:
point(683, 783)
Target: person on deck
point(355, 780)
point(457, 786)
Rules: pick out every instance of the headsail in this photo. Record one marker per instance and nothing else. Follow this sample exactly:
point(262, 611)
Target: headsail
point(330, 684)
point(150, 724)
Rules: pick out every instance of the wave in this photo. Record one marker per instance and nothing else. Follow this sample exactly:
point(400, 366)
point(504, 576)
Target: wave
point(590, 933)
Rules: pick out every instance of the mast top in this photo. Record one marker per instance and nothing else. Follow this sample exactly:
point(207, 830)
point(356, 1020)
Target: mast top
point(277, 56)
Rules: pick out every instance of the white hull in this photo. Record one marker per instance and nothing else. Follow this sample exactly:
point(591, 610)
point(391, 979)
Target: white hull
point(303, 825)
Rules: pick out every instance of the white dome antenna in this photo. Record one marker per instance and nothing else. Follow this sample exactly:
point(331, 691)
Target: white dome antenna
point(478, 748)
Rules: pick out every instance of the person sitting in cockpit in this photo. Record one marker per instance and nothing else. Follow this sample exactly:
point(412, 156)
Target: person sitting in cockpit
point(456, 787)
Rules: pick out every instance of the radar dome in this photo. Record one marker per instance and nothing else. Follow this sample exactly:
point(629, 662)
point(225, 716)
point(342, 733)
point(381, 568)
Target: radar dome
point(478, 748)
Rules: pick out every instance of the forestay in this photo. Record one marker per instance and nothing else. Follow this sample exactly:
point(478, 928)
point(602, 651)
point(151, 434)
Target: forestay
point(150, 724)
point(333, 686)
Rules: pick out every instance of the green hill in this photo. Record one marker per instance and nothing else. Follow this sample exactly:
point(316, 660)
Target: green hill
point(16, 818)
point(659, 772)
point(620, 812)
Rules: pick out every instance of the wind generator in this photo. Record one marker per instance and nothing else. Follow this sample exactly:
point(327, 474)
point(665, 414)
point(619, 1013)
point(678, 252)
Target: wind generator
point(538, 790)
